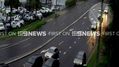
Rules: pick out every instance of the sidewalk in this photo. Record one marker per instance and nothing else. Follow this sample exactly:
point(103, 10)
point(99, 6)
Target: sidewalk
point(102, 49)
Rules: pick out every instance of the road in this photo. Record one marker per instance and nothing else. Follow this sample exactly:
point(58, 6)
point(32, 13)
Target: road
point(68, 45)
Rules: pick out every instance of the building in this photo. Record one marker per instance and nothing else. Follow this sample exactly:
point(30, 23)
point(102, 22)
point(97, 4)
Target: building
point(23, 1)
point(1, 3)
point(55, 3)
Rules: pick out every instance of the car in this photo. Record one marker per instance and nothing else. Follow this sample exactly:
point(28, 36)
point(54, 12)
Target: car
point(34, 61)
point(51, 63)
point(80, 59)
point(2, 27)
point(21, 10)
point(38, 14)
point(14, 10)
point(52, 52)
point(45, 11)
point(48, 10)
point(17, 23)
point(28, 17)
point(42, 11)
point(52, 8)
point(3, 9)
point(6, 21)
point(16, 17)
point(94, 25)
point(8, 26)
point(106, 10)
point(7, 10)
point(5, 18)
point(99, 16)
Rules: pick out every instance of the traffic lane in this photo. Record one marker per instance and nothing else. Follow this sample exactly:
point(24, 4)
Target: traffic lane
point(64, 41)
point(68, 48)
point(97, 8)
point(69, 52)
point(79, 44)
point(15, 49)
point(11, 40)
point(64, 48)
point(72, 14)
point(55, 42)
point(59, 23)
point(21, 47)
point(66, 60)
point(83, 24)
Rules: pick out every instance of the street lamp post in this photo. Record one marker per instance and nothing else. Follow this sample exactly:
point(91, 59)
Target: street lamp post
point(55, 8)
point(99, 40)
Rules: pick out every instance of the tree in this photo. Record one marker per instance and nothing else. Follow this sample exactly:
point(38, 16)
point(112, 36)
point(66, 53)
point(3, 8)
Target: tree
point(12, 3)
point(34, 4)
point(70, 3)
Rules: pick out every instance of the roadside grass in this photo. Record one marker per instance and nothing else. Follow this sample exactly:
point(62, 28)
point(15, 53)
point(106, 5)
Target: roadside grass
point(103, 57)
point(32, 26)
point(28, 27)
point(92, 61)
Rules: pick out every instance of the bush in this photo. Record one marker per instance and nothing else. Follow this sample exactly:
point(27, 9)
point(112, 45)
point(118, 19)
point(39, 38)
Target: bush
point(70, 3)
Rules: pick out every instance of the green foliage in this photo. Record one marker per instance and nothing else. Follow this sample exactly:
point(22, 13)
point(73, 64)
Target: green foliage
point(34, 4)
point(12, 3)
point(70, 3)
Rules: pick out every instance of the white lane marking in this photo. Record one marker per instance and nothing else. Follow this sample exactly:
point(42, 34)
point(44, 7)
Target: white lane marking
point(70, 47)
point(78, 38)
point(74, 22)
point(11, 45)
point(93, 9)
point(99, 10)
point(21, 41)
point(23, 65)
point(95, 5)
point(74, 42)
point(85, 17)
point(92, 19)
point(71, 29)
point(60, 51)
point(32, 51)
point(64, 53)
point(61, 43)
point(43, 51)
point(4, 45)
point(26, 45)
